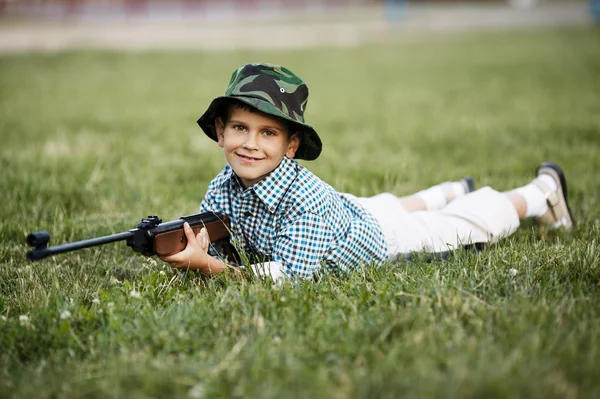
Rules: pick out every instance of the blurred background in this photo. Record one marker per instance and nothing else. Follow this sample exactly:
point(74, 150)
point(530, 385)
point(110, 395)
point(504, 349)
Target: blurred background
point(261, 24)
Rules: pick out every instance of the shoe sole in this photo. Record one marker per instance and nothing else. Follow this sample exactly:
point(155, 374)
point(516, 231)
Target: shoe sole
point(563, 185)
point(470, 183)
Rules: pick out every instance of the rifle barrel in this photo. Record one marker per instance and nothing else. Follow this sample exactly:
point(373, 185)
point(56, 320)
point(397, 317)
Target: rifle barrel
point(43, 252)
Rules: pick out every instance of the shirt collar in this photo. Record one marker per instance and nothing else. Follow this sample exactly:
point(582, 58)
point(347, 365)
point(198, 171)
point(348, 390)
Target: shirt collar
point(272, 188)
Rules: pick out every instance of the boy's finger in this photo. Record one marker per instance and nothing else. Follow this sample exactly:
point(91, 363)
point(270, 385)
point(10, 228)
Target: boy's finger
point(189, 233)
point(204, 233)
point(169, 259)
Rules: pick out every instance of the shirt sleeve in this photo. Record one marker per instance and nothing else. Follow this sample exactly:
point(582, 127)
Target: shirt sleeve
point(273, 270)
point(301, 246)
point(206, 205)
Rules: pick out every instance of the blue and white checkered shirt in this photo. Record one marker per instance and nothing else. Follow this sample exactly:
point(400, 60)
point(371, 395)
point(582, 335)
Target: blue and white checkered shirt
point(293, 217)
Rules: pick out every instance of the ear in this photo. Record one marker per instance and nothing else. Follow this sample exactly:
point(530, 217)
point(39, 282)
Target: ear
point(293, 144)
point(220, 129)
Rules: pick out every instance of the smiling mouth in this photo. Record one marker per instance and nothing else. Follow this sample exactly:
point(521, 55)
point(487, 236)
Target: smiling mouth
point(248, 159)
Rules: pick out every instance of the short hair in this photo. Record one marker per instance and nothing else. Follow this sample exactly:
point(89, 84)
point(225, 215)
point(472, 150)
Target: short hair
point(225, 114)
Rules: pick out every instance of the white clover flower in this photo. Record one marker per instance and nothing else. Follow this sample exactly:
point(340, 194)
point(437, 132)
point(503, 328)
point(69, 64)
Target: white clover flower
point(110, 305)
point(96, 301)
point(134, 294)
point(65, 314)
point(24, 319)
point(513, 272)
point(113, 280)
point(197, 391)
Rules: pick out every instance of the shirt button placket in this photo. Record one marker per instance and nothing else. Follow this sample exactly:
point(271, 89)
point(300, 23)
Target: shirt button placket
point(246, 214)
point(237, 206)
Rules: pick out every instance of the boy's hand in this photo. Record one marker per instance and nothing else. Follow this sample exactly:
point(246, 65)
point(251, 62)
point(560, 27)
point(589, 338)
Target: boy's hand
point(195, 255)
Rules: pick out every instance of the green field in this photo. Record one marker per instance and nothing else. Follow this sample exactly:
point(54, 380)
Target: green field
point(91, 142)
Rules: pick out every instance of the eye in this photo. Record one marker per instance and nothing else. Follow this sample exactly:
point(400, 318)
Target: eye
point(239, 128)
point(269, 133)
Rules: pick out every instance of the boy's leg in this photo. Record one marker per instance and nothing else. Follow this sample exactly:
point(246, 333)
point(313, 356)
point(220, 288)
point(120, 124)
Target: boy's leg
point(545, 198)
point(484, 216)
point(438, 196)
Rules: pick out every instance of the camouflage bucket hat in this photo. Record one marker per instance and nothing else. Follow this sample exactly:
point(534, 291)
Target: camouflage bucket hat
point(271, 89)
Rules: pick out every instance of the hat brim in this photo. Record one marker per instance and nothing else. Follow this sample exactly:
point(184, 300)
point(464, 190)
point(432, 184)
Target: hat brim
point(310, 146)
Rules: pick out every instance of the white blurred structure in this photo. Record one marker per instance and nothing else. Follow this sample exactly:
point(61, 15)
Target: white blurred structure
point(261, 24)
point(177, 10)
point(174, 9)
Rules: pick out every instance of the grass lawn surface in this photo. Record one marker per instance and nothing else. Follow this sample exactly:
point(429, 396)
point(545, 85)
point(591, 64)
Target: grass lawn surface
point(91, 142)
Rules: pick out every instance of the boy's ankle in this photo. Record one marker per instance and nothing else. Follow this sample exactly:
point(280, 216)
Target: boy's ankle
point(438, 196)
point(546, 198)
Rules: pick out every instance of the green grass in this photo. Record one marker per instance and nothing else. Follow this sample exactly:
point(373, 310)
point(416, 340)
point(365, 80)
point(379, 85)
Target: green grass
point(94, 141)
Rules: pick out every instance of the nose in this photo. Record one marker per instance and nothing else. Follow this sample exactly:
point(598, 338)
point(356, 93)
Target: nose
point(250, 142)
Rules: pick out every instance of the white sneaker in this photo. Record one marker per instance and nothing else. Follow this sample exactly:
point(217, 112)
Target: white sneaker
point(559, 213)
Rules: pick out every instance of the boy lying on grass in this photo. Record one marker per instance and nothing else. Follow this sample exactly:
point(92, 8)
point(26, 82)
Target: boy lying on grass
point(283, 213)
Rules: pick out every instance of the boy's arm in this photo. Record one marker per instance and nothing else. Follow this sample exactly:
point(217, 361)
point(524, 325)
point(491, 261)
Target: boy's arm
point(298, 251)
point(302, 245)
point(195, 255)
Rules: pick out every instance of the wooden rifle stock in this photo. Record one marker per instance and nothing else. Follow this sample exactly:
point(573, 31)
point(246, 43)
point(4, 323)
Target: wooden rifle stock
point(175, 241)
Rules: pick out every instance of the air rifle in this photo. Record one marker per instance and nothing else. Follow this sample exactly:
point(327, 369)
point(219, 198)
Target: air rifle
point(151, 237)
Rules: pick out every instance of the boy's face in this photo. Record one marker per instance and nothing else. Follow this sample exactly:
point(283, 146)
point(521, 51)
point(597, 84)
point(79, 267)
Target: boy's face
point(254, 143)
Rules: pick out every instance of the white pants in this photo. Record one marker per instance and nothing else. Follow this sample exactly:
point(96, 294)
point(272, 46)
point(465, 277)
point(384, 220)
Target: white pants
point(483, 216)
